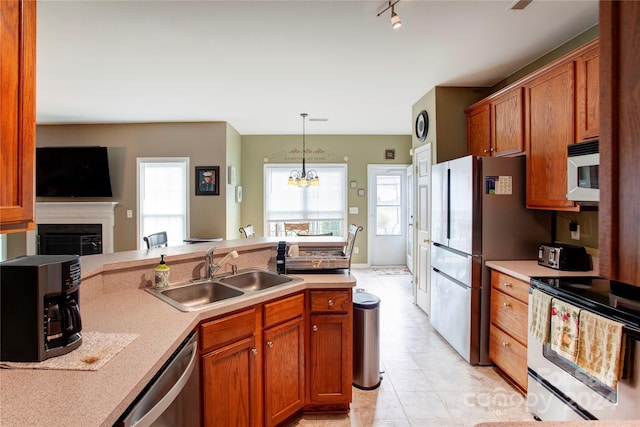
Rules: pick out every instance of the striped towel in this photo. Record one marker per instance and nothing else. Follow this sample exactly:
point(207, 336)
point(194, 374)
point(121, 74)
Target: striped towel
point(540, 316)
point(601, 348)
point(565, 321)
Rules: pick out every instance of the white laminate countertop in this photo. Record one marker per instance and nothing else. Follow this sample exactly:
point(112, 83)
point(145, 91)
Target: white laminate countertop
point(526, 269)
point(31, 397)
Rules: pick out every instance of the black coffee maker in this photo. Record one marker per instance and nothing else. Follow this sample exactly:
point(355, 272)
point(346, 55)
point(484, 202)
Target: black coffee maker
point(39, 307)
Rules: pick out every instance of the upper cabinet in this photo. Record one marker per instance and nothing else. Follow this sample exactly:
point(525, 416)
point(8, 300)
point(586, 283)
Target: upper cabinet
point(17, 114)
point(495, 126)
point(540, 115)
point(588, 95)
point(619, 234)
point(550, 120)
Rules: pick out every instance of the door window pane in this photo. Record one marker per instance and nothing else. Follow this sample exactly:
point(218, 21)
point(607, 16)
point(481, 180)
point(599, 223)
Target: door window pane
point(388, 205)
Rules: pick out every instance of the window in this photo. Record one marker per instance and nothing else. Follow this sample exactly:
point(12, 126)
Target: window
point(323, 207)
point(163, 198)
point(388, 205)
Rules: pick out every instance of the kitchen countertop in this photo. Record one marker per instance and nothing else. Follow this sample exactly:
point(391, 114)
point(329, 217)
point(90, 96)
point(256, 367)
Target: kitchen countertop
point(526, 269)
point(31, 397)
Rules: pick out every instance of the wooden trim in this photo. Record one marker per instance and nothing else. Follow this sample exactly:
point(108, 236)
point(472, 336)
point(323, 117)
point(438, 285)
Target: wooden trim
point(609, 209)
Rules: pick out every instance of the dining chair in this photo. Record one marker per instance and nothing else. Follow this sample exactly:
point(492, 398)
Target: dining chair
point(156, 240)
point(292, 229)
point(247, 231)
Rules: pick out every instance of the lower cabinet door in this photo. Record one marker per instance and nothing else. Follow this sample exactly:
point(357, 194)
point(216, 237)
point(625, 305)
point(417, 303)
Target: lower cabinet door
point(230, 385)
point(330, 361)
point(283, 371)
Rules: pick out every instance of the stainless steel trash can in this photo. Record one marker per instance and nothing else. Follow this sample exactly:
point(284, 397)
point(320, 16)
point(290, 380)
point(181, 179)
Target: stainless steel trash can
point(366, 341)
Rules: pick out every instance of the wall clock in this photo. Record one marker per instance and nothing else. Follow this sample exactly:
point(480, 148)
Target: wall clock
point(422, 125)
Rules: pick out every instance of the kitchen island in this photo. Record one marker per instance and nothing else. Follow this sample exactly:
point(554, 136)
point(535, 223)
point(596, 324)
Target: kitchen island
point(113, 300)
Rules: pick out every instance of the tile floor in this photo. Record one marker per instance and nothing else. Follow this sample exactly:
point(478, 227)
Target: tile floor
point(425, 382)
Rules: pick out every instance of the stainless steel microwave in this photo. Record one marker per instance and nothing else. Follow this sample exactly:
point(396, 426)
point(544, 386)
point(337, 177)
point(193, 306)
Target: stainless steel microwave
point(583, 162)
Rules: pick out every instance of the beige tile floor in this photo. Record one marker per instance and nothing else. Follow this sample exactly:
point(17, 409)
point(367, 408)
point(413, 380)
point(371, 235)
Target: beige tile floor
point(425, 382)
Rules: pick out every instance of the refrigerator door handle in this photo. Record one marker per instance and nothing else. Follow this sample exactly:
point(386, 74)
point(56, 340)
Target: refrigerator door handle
point(448, 203)
point(453, 280)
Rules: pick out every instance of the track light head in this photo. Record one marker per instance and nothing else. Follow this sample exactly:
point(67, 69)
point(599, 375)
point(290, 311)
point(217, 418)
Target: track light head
point(395, 20)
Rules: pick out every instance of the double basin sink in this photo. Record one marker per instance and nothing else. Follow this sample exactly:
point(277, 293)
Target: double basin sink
point(201, 294)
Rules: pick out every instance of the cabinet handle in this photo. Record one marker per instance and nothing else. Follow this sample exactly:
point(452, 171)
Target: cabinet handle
point(492, 149)
point(254, 351)
point(485, 151)
point(269, 344)
point(506, 344)
point(314, 328)
point(330, 302)
point(506, 304)
point(507, 284)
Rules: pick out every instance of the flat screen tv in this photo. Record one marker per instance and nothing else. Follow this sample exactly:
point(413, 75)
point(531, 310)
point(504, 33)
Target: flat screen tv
point(72, 172)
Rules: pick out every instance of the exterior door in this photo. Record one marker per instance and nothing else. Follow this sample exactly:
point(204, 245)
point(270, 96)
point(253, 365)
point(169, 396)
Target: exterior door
point(410, 226)
point(422, 160)
point(387, 215)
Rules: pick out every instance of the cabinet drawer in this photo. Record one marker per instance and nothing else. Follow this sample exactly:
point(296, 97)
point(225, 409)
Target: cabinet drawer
point(283, 310)
point(509, 314)
point(509, 355)
point(510, 285)
point(331, 301)
point(225, 330)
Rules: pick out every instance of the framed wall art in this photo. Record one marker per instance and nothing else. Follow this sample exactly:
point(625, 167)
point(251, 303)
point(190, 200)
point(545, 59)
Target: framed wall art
point(207, 180)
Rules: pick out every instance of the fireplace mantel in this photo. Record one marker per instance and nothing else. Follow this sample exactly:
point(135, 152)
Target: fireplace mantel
point(77, 213)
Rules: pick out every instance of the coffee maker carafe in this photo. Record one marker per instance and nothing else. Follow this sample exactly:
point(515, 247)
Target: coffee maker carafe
point(39, 307)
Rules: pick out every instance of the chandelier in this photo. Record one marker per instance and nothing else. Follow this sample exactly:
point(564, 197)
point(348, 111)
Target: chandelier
point(303, 178)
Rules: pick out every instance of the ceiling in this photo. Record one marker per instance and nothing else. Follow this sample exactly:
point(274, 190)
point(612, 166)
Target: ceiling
point(259, 64)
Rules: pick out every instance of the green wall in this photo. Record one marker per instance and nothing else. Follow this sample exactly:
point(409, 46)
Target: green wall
point(357, 151)
point(205, 144)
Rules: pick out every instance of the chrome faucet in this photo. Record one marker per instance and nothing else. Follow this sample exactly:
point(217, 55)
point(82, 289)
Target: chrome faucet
point(211, 267)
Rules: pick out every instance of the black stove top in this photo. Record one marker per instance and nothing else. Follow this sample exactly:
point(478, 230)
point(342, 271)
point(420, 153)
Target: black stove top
point(615, 300)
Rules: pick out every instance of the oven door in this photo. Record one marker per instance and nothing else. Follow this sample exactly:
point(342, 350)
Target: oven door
point(559, 390)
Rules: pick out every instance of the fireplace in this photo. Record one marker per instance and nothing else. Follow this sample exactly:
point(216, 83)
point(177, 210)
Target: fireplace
point(69, 239)
point(81, 220)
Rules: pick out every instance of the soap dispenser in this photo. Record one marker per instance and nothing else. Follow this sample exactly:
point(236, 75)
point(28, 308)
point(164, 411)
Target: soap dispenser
point(162, 274)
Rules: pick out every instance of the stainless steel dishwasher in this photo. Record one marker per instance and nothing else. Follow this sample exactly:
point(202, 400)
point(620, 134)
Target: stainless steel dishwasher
point(172, 396)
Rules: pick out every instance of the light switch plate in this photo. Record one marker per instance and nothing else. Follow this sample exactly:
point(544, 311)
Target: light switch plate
point(129, 213)
point(353, 210)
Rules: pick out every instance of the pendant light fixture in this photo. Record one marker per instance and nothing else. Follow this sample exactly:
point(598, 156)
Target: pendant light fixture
point(395, 19)
point(303, 178)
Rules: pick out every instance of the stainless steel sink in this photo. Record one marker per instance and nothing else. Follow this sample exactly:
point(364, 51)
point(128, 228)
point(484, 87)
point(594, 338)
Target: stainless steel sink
point(256, 280)
point(199, 295)
point(196, 296)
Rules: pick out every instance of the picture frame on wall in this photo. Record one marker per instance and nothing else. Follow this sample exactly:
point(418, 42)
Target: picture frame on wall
point(207, 180)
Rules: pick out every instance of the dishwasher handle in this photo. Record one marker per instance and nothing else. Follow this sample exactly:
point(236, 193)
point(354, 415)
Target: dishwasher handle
point(149, 417)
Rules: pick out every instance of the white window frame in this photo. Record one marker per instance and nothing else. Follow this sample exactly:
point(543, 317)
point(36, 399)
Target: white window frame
point(318, 167)
point(143, 160)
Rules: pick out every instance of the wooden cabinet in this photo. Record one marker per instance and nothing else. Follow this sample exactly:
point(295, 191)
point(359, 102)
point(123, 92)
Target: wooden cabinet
point(550, 128)
point(508, 327)
point(588, 95)
point(230, 371)
point(479, 129)
point(619, 234)
point(507, 129)
point(329, 370)
point(495, 126)
point(17, 114)
point(283, 359)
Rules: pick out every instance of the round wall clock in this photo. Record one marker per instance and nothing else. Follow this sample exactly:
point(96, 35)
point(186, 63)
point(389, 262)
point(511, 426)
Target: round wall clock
point(422, 125)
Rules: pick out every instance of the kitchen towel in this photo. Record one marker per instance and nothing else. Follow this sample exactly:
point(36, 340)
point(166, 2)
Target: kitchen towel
point(97, 348)
point(565, 321)
point(540, 316)
point(601, 348)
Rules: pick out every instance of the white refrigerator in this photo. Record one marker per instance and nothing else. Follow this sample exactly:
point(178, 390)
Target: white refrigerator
point(478, 215)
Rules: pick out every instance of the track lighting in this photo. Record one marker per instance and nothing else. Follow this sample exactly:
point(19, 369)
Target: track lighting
point(395, 19)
